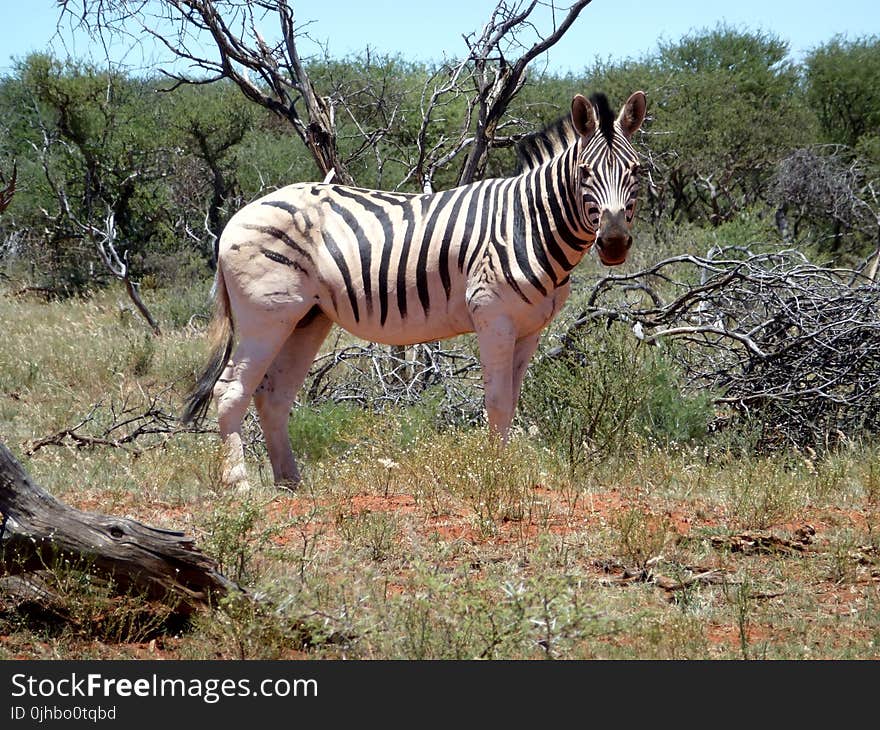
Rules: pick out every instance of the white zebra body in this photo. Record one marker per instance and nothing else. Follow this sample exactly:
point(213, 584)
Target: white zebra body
point(254, 276)
point(493, 257)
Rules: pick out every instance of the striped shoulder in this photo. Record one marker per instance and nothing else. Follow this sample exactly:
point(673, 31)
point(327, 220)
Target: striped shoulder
point(539, 147)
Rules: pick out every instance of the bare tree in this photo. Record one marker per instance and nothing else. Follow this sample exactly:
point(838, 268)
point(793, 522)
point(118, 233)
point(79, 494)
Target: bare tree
point(826, 183)
point(496, 80)
point(105, 243)
point(69, 219)
point(274, 74)
point(488, 78)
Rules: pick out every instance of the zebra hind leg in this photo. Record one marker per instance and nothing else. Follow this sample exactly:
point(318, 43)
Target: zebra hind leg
point(261, 336)
point(282, 381)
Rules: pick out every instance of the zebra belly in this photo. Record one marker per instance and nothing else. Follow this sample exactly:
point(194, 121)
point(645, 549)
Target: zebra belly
point(411, 329)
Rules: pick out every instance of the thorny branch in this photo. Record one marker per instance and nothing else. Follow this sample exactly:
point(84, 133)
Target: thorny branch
point(793, 344)
point(375, 377)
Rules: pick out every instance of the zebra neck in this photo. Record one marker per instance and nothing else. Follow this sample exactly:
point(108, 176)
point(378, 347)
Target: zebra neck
point(546, 223)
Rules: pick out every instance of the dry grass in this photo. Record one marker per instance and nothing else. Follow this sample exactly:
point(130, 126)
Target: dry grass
point(409, 542)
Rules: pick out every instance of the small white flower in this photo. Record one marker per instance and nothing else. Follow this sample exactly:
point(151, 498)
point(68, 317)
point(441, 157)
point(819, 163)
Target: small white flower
point(388, 463)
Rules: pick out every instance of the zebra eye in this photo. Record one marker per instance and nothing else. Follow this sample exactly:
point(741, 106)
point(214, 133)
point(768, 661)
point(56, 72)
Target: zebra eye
point(585, 172)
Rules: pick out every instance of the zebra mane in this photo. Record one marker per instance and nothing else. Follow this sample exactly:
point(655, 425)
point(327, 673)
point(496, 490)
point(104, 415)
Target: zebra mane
point(538, 147)
point(606, 116)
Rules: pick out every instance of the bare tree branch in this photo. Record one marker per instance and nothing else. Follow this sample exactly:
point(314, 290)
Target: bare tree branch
point(8, 192)
point(118, 265)
point(771, 335)
point(496, 81)
point(280, 82)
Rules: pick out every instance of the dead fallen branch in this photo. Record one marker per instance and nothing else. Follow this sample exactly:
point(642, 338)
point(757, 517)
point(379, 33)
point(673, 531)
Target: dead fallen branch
point(376, 377)
point(764, 543)
point(140, 422)
point(689, 575)
point(41, 533)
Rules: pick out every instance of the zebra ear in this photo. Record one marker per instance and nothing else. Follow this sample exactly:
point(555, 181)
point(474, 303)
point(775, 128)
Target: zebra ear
point(583, 116)
point(632, 114)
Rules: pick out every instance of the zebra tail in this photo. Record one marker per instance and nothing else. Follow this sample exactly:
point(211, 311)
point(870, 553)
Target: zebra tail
point(221, 333)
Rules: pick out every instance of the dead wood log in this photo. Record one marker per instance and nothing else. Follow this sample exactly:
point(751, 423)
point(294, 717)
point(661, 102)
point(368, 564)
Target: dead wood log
point(39, 532)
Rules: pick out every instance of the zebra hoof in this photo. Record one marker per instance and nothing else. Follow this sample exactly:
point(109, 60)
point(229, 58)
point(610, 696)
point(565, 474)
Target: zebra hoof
point(235, 478)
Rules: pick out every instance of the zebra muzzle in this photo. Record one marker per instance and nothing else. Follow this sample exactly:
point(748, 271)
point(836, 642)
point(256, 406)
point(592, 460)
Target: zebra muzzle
point(614, 240)
point(613, 250)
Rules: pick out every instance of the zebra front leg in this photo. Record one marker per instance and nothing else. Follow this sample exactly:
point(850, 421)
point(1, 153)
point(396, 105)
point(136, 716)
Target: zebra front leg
point(522, 356)
point(497, 342)
point(278, 390)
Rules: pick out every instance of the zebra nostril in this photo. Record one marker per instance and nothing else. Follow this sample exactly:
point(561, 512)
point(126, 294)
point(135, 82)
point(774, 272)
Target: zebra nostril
point(615, 242)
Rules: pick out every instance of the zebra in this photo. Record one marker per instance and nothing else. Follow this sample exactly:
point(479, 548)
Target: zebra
point(493, 257)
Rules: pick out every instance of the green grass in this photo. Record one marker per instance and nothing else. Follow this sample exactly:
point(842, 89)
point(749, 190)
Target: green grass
point(409, 541)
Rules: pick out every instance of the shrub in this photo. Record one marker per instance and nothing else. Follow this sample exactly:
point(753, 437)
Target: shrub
point(606, 389)
point(318, 430)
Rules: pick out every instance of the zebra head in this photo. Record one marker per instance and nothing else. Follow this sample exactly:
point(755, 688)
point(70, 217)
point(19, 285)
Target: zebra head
point(608, 171)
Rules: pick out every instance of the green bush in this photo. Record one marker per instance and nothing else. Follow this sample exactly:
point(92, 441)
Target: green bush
point(666, 413)
point(319, 430)
point(606, 390)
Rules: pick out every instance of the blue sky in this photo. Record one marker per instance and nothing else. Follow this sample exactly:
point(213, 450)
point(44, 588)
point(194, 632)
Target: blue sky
point(606, 29)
